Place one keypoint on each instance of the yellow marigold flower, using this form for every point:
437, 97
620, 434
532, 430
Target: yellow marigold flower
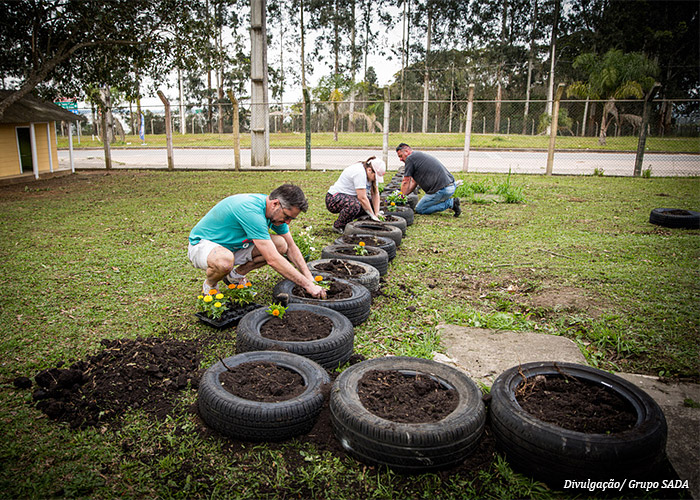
200, 297
208, 298
213, 291
217, 304
239, 286
219, 296
276, 312
362, 243
319, 278
231, 286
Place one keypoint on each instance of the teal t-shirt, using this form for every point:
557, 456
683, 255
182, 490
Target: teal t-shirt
235, 221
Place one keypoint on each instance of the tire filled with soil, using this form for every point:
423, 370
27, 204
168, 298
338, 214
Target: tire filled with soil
262, 395
372, 240
675, 218
317, 333
355, 271
558, 421
412, 415
375, 228
375, 257
392, 220
349, 299
403, 211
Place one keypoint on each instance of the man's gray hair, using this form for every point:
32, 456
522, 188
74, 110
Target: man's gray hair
290, 196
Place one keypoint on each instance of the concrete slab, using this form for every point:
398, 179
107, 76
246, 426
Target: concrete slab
484, 354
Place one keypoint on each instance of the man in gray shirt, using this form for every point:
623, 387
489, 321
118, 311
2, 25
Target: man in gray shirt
426, 171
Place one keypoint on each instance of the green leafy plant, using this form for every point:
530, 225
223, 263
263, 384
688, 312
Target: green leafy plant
212, 304
360, 248
397, 198
239, 295
276, 310
391, 207
325, 284
305, 241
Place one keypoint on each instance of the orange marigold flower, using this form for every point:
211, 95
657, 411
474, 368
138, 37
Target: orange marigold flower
319, 278
248, 284
276, 312
213, 291
393, 204
231, 286
239, 286
362, 243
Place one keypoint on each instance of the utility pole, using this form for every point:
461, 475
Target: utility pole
260, 110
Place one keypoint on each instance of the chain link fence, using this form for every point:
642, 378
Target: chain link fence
593, 137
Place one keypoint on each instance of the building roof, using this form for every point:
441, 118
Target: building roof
33, 109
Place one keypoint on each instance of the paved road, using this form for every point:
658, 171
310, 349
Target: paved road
568, 163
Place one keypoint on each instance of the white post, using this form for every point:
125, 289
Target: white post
259, 109
70, 146
35, 158
468, 129
385, 140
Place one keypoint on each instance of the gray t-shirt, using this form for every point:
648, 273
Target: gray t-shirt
428, 172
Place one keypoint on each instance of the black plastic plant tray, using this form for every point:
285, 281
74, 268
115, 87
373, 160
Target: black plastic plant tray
230, 318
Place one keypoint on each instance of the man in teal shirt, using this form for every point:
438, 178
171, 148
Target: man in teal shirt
236, 232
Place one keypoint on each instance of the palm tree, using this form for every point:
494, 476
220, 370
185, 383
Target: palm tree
615, 75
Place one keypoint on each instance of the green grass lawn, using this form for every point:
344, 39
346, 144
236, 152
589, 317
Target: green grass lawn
416, 140
103, 255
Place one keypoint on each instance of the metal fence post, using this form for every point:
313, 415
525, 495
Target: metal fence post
385, 140
554, 127
643, 130
468, 129
236, 133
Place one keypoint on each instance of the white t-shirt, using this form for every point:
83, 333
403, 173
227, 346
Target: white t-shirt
353, 178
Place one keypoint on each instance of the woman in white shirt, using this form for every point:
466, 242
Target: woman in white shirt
356, 192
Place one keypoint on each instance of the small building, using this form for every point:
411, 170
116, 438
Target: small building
28, 145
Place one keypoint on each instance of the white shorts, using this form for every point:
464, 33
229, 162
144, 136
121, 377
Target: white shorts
199, 253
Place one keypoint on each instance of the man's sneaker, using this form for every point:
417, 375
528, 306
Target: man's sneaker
206, 288
456, 207
233, 278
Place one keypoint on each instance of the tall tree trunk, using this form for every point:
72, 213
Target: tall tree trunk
530, 63
552, 54
353, 64
404, 61
220, 80
336, 67
303, 63
426, 75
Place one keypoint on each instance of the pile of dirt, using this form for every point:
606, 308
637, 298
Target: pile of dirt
144, 373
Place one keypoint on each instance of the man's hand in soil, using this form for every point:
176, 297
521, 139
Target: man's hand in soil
317, 291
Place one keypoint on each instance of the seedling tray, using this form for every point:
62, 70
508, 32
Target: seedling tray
230, 318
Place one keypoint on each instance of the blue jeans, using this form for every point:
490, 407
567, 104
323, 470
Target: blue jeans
436, 202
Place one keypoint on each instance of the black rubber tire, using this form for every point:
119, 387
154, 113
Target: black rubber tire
553, 454
405, 212
250, 420
412, 200
379, 259
386, 244
369, 279
395, 221
376, 228
356, 308
407, 448
675, 217
329, 352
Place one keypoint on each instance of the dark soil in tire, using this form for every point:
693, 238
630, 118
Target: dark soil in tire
351, 252
342, 269
262, 381
576, 405
395, 396
336, 291
297, 326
